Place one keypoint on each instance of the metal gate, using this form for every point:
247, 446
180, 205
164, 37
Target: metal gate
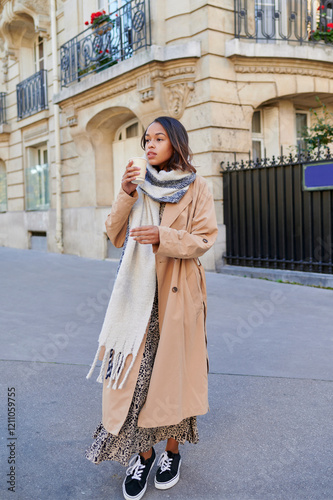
274, 219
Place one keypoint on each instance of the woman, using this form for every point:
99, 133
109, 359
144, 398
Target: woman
153, 340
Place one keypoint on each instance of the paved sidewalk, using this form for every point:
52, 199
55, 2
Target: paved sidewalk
268, 436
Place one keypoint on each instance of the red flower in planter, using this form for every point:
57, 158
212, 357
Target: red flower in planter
95, 15
98, 17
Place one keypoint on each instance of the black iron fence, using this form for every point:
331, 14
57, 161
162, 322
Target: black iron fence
101, 46
273, 219
32, 95
2, 108
298, 21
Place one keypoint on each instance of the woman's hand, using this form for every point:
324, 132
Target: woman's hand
146, 235
129, 176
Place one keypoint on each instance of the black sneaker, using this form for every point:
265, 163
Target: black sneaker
135, 483
167, 474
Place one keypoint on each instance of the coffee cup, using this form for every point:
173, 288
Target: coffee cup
139, 162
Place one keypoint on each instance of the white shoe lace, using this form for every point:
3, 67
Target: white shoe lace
135, 467
164, 462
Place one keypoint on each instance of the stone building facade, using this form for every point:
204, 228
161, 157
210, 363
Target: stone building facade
234, 93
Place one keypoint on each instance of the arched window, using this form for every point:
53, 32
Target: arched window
3, 187
125, 145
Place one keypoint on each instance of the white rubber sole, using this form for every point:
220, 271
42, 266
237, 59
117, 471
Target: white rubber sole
169, 484
140, 495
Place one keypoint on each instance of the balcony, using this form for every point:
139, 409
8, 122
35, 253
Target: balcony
293, 21
32, 95
99, 47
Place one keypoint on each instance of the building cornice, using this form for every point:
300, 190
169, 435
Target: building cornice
140, 71
283, 66
280, 58
277, 51
174, 76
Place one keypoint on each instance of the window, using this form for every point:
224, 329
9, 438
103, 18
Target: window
265, 20
3, 187
110, 5
281, 19
37, 179
38, 241
39, 54
325, 14
257, 135
301, 125
256, 122
132, 130
122, 25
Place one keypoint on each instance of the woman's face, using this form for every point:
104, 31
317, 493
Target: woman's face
158, 146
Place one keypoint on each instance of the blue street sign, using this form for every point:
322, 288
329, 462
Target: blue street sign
318, 176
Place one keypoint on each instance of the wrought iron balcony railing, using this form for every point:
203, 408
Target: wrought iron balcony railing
99, 47
3, 108
32, 95
297, 21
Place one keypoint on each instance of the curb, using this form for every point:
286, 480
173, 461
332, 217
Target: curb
284, 275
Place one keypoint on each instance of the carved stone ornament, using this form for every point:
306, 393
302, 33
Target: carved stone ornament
145, 88
72, 121
39, 6
178, 97
71, 116
4, 70
22, 19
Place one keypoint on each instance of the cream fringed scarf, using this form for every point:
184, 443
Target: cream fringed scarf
131, 301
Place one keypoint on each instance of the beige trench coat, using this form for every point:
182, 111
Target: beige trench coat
178, 387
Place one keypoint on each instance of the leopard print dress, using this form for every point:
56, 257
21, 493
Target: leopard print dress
131, 438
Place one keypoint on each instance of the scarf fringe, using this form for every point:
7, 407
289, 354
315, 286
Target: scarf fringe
118, 364
93, 365
117, 370
103, 366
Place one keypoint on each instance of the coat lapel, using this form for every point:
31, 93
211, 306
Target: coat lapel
172, 210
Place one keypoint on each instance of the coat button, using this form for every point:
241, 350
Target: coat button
205, 241
175, 289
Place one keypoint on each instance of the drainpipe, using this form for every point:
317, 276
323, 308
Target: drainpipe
59, 224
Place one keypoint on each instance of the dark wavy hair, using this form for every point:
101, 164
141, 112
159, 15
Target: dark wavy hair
182, 155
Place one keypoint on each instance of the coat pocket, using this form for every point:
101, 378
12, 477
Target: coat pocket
193, 281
